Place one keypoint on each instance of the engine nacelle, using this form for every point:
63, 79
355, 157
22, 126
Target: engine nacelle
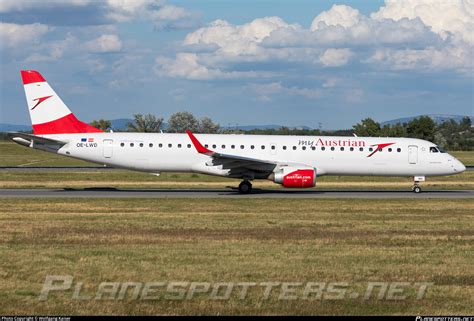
295, 177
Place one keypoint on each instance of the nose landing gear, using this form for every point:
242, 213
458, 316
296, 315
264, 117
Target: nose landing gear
245, 187
416, 180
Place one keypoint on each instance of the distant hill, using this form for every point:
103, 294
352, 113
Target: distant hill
121, 123
437, 118
14, 128
271, 126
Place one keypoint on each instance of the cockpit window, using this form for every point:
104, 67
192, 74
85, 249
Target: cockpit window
433, 149
441, 150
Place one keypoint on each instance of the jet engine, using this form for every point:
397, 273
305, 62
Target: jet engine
295, 177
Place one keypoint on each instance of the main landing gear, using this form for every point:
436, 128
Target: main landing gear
416, 180
245, 187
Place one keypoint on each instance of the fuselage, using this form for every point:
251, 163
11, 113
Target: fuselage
159, 152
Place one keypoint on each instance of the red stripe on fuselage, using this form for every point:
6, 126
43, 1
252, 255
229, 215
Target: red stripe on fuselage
68, 124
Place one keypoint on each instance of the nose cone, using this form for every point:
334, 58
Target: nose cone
458, 166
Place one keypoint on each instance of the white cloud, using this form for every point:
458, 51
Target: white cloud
335, 57
458, 58
97, 12
171, 13
186, 65
163, 15
105, 44
52, 51
455, 16
22, 5
338, 15
406, 34
234, 39
14, 35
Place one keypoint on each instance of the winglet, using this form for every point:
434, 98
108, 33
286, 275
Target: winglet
200, 149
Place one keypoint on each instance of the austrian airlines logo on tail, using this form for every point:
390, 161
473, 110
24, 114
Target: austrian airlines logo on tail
379, 147
40, 100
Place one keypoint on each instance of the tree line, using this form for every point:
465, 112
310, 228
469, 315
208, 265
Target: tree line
177, 123
450, 134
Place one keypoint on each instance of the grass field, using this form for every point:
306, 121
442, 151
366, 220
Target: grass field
141, 240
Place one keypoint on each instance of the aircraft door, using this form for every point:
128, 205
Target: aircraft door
412, 154
108, 148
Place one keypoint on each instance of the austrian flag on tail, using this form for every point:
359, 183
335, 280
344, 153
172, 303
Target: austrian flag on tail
49, 114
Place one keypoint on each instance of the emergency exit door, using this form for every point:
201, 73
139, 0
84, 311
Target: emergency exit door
412, 154
108, 148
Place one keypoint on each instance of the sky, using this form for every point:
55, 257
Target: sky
322, 64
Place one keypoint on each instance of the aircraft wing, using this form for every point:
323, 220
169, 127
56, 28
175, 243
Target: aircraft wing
233, 162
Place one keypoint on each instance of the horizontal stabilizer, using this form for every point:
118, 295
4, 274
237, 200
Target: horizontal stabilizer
28, 139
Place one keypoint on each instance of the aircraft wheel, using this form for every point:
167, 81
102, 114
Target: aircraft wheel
245, 187
416, 189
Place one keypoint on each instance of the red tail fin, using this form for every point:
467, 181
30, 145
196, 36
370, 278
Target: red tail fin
49, 114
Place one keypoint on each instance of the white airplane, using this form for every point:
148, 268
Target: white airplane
292, 161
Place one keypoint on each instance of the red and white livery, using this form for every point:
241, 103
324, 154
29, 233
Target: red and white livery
292, 161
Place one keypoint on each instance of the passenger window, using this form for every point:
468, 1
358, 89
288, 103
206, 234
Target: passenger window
189, 145
361, 149
179, 145
323, 148
273, 147
399, 150
141, 144
389, 150
232, 146
122, 144
332, 148
342, 149
304, 147
313, 148
206, 145
284, 147
132, 144
252, 147
151, 145
160, 145
263, 146
214, 146
371, 149
242, 146
352, 149
170, 145
294, 147
223, 146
